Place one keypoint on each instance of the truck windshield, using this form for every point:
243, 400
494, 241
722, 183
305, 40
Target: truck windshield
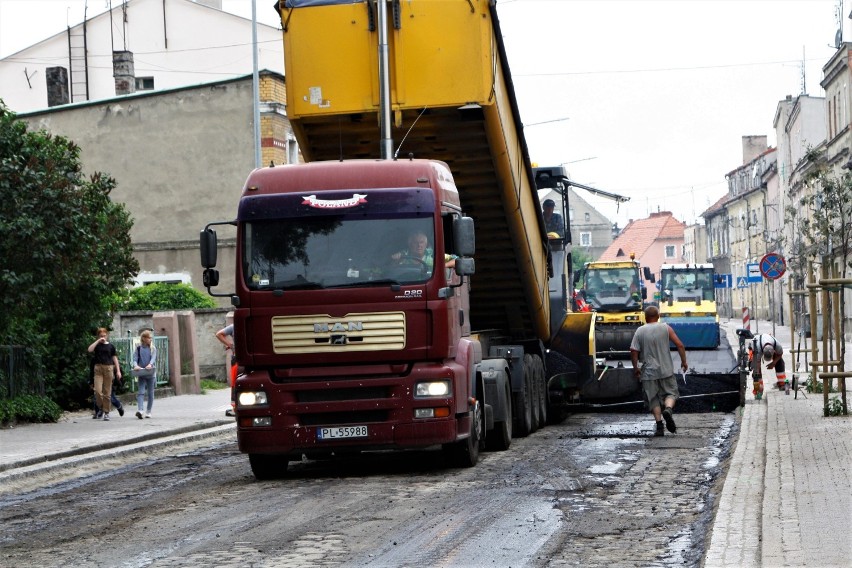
686, 284
337, 251
612, 289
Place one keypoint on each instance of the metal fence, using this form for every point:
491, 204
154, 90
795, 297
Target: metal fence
124, 349
20, 372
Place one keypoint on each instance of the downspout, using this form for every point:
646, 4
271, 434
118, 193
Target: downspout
70, 62
165, 32
86, 48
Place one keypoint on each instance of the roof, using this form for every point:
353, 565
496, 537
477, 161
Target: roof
710, 211
639, 235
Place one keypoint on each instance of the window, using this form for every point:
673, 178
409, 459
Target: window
144, 83
588, 217
670, 251
585, 239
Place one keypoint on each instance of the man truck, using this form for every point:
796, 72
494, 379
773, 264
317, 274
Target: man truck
348, 340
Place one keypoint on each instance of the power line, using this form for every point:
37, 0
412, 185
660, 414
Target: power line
663, 69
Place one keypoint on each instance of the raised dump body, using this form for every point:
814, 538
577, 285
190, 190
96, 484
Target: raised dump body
452, 100
366, 318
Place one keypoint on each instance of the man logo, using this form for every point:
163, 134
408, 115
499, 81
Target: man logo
338, 327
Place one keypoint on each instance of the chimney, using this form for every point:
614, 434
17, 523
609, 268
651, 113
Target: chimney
57, 86
123, 72
753, 146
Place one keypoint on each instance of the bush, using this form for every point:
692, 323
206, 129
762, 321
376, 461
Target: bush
29, 408
834, 407
161, 297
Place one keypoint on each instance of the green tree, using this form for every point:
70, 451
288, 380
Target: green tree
162, 296
64, 248
580, 256
822, 219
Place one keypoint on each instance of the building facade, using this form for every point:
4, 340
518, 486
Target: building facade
141, 45
180, 158
654, 241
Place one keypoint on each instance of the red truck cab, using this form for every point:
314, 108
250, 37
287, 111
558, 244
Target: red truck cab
348, 341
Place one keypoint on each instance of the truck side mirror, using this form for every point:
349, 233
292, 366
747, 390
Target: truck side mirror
465, 266
463, 236
646, 272
210, 277
208, 247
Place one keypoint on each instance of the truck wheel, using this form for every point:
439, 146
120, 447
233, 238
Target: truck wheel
268, 466
523, 406
500, 438
466, 452
542, 390
535, 392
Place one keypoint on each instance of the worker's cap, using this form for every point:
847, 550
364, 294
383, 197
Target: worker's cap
549, 203
768, 352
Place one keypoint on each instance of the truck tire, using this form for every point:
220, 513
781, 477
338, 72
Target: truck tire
538, 364
268, 466
522, 405
535, 392
466, 452
500, 438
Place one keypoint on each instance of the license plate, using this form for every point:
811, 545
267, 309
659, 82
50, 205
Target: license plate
342, 432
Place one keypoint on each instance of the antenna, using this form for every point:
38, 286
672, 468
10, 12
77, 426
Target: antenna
838, 17
395, 154
804, 81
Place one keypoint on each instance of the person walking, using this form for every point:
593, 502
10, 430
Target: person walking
98, 414
226, 337
766, 347
106, 369
145, 371
650, 345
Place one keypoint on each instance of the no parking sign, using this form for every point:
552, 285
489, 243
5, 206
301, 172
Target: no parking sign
773, 266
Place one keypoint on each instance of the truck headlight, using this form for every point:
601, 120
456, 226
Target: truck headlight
432, 388
252, 398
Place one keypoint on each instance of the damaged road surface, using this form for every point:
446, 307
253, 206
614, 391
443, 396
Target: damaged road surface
596, 490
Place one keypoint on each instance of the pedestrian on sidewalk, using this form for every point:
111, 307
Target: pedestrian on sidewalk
226, 337
106, 369
145, 371
766, 347
98, 414
650, 345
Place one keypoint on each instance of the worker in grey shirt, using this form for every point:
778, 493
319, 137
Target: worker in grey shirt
650, 345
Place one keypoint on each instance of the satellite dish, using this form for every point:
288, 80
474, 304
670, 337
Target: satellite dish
838, 38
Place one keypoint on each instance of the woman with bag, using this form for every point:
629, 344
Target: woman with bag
144, 369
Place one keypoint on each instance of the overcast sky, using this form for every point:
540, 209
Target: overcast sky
644, 98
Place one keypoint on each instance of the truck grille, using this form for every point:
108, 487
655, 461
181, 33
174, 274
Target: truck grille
321, 333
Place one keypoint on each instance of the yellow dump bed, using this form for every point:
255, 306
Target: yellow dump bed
452, 100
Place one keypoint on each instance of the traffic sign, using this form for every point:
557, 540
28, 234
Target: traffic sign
753, 270
773, 266
722, 281
742, 282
